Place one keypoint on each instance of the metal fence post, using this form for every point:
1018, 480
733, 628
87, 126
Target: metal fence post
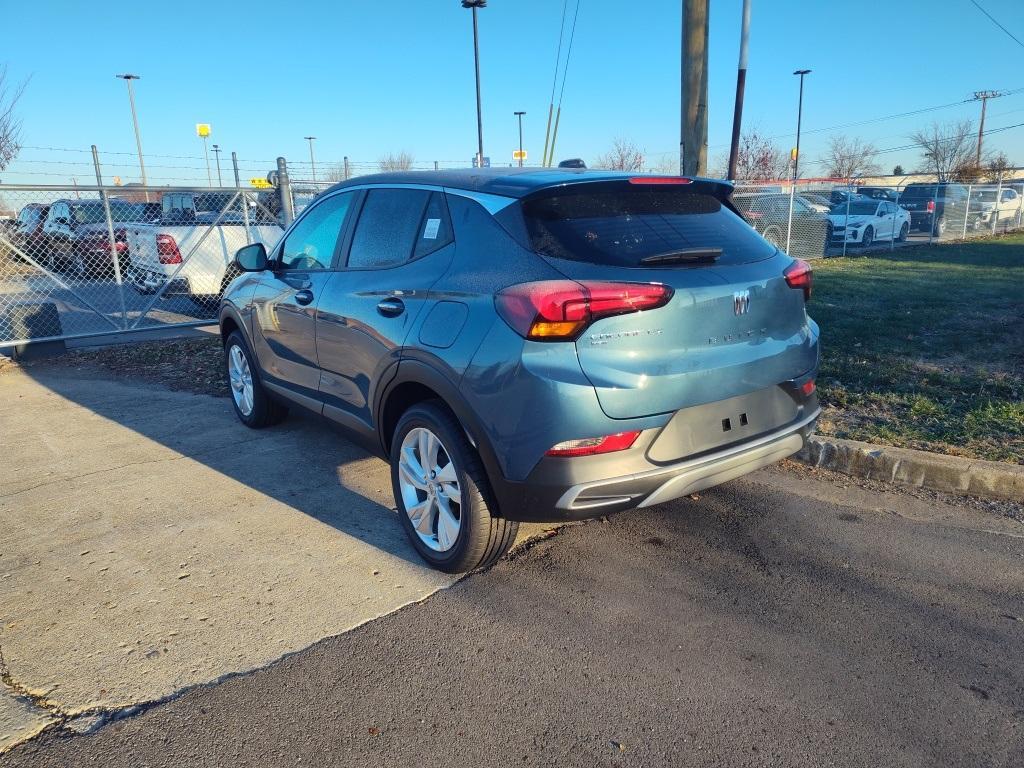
347, 174
110, 235
967, 211
284, 187
846, 228
244, 199
892, 240
999, 194
931, 220
789, 224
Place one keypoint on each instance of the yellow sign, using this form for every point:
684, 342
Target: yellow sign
202, 130
260, 183
518, 154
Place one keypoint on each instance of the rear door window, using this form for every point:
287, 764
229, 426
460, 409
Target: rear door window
388, 228
622, 224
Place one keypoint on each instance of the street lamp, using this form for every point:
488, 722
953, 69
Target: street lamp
216, 154
799, 118
520, 116
474, 5
312, 162
127, 77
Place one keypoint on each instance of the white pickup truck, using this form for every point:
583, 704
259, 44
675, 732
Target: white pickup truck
190, 248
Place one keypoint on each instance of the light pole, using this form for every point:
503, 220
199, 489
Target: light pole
799, 119
216, 154
520, 116
474, 5
128, 77
312, 162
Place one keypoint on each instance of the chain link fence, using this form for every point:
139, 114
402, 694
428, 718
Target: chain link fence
83, 261
811, 219
80, 261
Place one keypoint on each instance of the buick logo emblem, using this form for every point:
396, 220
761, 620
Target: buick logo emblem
741, 302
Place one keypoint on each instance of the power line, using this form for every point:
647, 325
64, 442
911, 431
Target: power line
993, 20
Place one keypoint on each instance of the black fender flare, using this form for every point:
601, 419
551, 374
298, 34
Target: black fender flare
419, 372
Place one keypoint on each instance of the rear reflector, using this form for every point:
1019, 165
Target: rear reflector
590, 446
808, 387
800, 275
660, 180
560, 310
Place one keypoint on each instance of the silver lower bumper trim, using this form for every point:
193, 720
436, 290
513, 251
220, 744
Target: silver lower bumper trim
697, 474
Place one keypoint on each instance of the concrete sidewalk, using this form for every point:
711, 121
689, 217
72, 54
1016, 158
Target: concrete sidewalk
151, 543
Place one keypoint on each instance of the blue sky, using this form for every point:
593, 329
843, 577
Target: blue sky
372, 77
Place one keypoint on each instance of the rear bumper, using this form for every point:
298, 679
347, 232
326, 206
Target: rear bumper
686, 477
540, 500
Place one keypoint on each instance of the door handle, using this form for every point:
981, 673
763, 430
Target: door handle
391, 307
304, 297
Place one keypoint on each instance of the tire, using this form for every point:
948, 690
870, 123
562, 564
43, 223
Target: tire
868, 238
904, 231
939, 228
481, 537
259, 409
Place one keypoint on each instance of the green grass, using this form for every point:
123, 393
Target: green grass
924, 347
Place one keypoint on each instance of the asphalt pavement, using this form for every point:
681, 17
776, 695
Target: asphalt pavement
792, 618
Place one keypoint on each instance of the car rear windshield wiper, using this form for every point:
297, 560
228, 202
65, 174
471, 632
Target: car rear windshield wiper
687, 256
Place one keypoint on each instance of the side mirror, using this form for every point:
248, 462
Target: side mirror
252, 258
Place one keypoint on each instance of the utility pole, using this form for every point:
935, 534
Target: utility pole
312, 161
216, 154
799, 120
983, 97
474, 5
135, 122
741, 82
520, 116
693, 129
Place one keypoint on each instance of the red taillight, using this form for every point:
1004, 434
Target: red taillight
590, 446
559, 310
167, 250
660, 180
800, 275
807, 387
931, 206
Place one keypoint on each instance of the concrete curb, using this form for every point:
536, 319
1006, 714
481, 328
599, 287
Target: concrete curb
935, 471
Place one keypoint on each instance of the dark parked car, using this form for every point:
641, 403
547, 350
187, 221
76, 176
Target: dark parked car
76, 237
27, 235
769, 215
937, 207
528, 345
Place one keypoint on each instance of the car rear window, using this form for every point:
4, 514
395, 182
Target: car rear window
928, 192
620, 224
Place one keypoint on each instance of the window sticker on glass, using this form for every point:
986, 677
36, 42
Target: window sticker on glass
430, 231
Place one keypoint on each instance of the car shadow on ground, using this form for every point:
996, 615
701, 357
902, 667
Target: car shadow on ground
303, 463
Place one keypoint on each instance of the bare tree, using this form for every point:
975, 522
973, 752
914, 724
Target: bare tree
848, 158
757, 159
997, 166
623, 156
395, 162
10, 125
946, 150
335, 173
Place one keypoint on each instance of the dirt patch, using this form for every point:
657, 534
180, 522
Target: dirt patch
190, 365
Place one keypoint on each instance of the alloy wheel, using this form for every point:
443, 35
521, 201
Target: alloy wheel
241, 380
430, 490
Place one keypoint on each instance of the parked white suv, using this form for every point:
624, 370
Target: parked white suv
191, 247
995, 205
